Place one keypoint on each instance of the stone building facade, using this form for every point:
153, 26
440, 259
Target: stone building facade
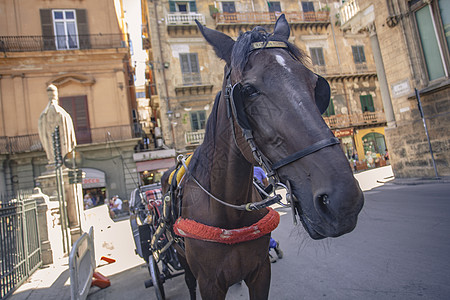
188, 74
414, 44
81, 47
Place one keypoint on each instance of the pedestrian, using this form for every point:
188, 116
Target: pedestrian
260, 178
88, 203
116, 206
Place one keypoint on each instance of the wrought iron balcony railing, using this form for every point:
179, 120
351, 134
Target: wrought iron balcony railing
184, 19
342, 121
75, 42
270, 17
32, 142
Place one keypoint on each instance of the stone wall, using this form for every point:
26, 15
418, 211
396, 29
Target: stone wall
410, 154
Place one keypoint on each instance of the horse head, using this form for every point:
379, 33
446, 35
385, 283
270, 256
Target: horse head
277, 103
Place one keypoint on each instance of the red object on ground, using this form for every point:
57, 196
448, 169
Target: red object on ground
107, 259
100, 280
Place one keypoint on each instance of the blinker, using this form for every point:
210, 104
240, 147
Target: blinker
237, 106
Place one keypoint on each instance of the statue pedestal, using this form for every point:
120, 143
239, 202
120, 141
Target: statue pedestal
72, 197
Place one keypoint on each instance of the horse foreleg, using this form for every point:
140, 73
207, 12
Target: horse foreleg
209, 290
259, 282
191, 283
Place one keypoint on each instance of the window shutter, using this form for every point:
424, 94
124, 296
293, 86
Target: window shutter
184, 63
172, 6
77, 108
194, 63
192, 6
83, 29
361, 54
48, 34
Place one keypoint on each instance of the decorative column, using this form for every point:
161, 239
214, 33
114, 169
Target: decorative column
384, 87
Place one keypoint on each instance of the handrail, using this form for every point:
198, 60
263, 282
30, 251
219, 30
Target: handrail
270, 17
32, 142
44, 43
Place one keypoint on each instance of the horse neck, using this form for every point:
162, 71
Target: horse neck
230, 174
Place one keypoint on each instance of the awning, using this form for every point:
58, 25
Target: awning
93, 178
155, 164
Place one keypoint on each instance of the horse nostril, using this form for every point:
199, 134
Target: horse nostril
324, 199
323, 207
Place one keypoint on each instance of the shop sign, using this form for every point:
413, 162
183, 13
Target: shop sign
93, 178
343, 132
401, 88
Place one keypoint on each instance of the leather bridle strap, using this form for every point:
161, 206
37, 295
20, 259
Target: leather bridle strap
304, 152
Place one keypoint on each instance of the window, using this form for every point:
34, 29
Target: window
317, 56
430, 19
140, 95
65, 25
330, 109
274, 6
358, 54
308, 6
183, 7
366, 103
77, 108
198, 120
190, 69
64, 29
228, 7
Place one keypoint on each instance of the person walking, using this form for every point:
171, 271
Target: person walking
260, 177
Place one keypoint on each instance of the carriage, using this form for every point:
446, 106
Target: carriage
146, 209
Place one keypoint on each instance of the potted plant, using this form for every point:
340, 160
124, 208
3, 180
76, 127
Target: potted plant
213, 11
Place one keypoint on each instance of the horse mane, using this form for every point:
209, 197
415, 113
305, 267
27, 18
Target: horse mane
243, 48
203, 155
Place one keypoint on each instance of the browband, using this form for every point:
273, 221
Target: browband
269, 44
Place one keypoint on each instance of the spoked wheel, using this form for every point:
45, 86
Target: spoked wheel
156, 278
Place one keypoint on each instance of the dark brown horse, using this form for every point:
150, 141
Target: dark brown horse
268, 113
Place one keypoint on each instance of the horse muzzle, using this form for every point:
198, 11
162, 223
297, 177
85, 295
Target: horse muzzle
330, 214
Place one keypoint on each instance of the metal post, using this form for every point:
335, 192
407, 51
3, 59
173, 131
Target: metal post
60, 189
419, 103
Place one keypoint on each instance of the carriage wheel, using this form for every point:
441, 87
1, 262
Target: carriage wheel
156, 278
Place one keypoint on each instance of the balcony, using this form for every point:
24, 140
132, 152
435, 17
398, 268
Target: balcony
47, 43
194, 138
348, 10
21, 143
355, 18
180, 19
347, 71
270, 17
367, 118
32, 142
192, 85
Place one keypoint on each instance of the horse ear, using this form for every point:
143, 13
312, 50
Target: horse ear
322, 94
282, 27
222, 43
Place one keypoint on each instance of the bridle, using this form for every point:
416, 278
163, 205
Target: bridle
236, 114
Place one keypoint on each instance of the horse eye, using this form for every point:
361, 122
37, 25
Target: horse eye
250, 91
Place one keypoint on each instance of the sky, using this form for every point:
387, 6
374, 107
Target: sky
132, 10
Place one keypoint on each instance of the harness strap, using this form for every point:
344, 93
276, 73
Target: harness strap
304, 152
